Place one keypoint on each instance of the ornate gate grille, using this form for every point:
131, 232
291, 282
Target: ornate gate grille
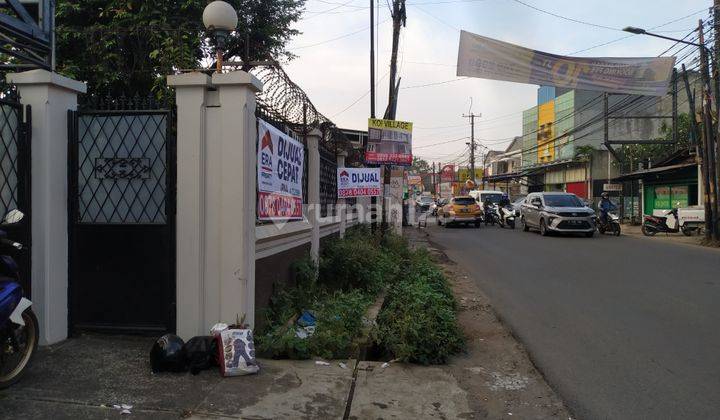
122, 167
15, 125
122, 214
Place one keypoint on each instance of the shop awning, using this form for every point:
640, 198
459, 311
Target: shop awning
504, 177
660, 170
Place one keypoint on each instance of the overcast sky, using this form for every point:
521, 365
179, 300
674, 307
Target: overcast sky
333, 59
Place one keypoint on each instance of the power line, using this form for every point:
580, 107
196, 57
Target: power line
377, 83
442, 142
337, 38
567, 18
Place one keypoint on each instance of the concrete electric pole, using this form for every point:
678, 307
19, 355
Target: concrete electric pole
399, 18
472, 117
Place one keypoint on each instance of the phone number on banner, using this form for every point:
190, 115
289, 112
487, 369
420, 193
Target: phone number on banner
398, 158
272, 206
359, 192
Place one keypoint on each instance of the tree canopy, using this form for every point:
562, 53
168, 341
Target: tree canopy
129, 46
420, 165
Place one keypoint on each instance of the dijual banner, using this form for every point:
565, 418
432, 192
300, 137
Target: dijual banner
489, 58
389, 142
279, 174
359, 182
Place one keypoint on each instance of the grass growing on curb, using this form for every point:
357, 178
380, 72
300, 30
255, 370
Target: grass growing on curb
417, 322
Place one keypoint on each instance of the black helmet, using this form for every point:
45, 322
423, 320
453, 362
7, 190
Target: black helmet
168, 354
604, 195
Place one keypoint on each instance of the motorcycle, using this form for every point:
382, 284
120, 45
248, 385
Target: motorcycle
507, 217
686, 221
491, 215
19, 329
611, 224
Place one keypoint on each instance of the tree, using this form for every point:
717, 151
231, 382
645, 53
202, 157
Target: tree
420, 166
129, 46
264, 28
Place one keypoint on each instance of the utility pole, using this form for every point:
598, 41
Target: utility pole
434, 191
709, 161
372, 59
699, 154
472, 117
399, 18
373, 200
716, 77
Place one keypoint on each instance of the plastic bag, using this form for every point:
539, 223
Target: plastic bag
237, 352
201, 353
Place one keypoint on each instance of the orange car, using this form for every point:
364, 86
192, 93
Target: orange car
461, 209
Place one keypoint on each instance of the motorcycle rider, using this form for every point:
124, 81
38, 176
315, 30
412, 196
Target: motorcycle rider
503, 203
605, 206
487, 210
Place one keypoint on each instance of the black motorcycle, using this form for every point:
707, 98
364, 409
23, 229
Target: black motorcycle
610, 224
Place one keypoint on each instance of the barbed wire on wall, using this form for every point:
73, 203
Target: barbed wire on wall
284, 101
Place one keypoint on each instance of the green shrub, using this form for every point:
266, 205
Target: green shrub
338, 317
357, 261
417, 322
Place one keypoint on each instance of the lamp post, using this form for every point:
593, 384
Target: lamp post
220, 19
641, 31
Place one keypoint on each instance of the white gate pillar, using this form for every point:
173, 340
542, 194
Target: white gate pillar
216, 157
342, 208
50, 96
313, 213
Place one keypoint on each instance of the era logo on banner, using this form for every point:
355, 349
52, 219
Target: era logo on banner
266, 154
344, 179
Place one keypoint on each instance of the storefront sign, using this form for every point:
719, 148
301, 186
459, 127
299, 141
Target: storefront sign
447, 173
389, 142
612, 187
279, 174
464, 174
489, 58
414, 180
359, 182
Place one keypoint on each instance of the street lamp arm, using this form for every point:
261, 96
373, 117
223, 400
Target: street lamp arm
640, 31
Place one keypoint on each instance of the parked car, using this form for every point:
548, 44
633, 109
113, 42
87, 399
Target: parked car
517, 205
557, 212
462, 209
423, 203
481, 195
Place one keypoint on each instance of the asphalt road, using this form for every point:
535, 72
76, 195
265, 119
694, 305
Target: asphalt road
622, 327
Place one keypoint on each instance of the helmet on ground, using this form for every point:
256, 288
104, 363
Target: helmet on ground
168, 354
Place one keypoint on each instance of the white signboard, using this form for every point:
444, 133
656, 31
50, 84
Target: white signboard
359, 182
612, 187
279, 174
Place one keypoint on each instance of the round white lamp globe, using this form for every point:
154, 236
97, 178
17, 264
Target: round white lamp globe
220, 16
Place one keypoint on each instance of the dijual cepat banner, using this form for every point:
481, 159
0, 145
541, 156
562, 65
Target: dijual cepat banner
488, 58
359, 182
280, 163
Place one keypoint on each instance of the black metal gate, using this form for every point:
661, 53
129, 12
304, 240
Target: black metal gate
15, 123
122, 217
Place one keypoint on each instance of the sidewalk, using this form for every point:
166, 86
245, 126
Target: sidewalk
84, 377
635, 230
